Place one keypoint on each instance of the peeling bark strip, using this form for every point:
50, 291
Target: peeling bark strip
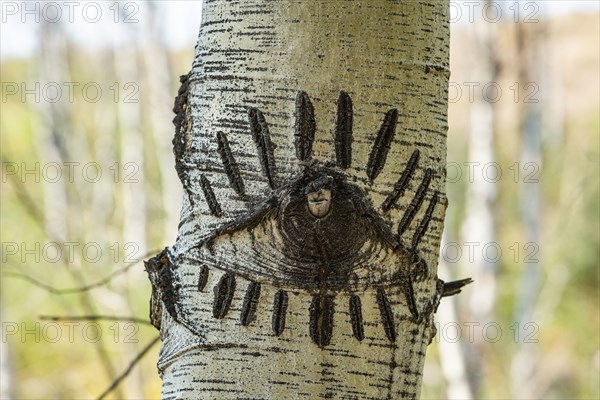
209, 195
250, 302
305, 127
402, 183
262, 139
387, 316
280, 305
223, 295
424, 224
416, 203
321, 320
378, 155
356, 317
231, 168
343, 131
202, 278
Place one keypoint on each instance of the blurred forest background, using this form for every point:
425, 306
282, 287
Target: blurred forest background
89, 189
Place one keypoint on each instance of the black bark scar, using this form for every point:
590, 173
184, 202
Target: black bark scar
343, 131
230, 164
305, 127
262, 139
382, 144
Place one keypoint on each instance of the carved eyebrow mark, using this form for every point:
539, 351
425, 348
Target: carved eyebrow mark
209, 195
387, 317
262, 139
280, 305
380, 149
223, 295
402, 182
202, 278
343, 131
416, 202
305, 126
321, 320
250, 302
231, 167
356, 317
420, 232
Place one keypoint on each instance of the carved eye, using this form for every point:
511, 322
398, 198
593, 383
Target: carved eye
323, 227
316, 233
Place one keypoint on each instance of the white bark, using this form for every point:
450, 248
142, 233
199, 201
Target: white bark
385, 55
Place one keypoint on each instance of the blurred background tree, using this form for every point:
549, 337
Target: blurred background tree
524, 105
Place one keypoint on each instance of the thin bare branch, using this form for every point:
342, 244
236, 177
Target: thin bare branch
132, 364
94, 318
85, 288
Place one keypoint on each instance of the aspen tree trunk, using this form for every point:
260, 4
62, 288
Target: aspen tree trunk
311, 144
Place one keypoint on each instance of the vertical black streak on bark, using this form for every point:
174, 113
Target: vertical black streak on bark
321, 320
262, 139
202, 278
382, 144
387, 317
231, 168
343, 131
415, 204
424, 224
305, 127
250, 302
402, 183
209, 195
279, 309
356, 317
223, 295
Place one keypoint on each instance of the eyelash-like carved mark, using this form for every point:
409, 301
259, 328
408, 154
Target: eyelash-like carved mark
262, 139
231, 168
387, 317
380, 149
223, 295
209, 195
248, 313
424, 224
280, 304
343, 131
416, 202
202, 278
321, 320
305, 127
402, 182
356, 317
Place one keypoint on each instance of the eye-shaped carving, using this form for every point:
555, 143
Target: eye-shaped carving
317, 231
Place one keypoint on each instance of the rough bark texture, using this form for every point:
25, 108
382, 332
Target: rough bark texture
311, 143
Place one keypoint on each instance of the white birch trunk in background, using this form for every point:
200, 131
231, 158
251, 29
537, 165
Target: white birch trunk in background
62, 145
131, 179
479, 227
478, 230
131, 166
526, 382
326, 287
